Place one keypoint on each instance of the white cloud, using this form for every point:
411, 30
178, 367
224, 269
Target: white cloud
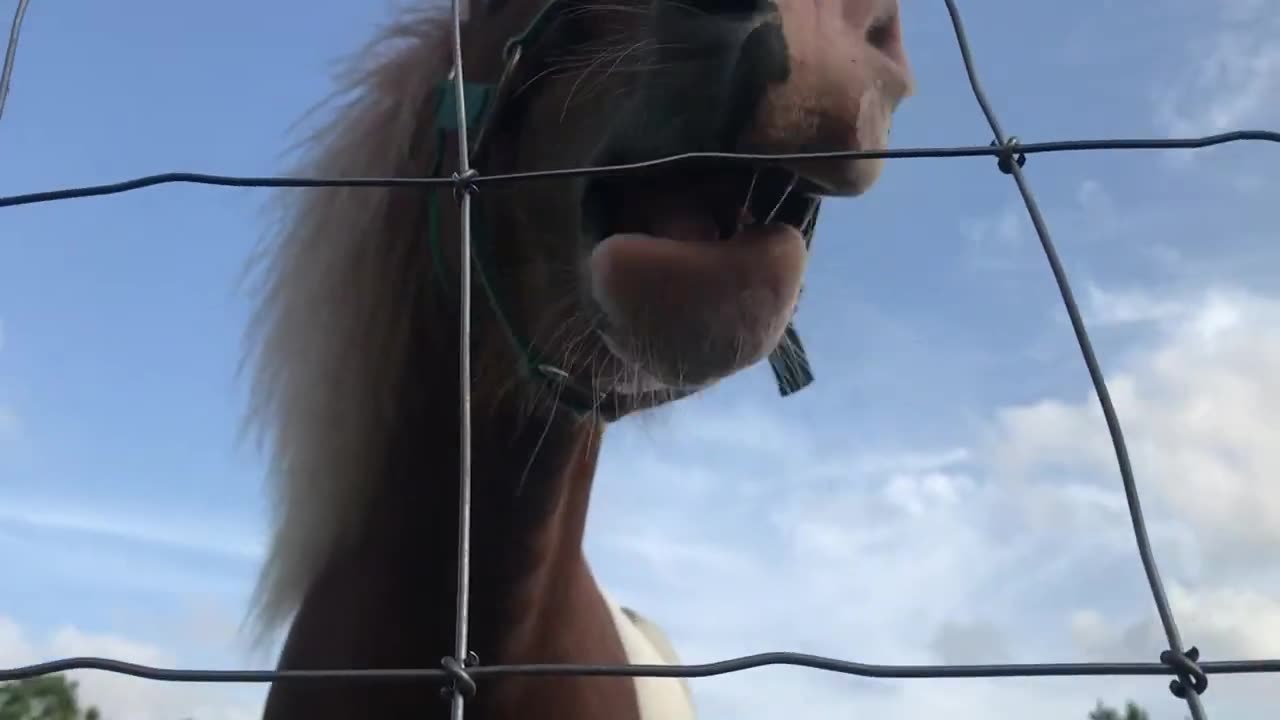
1223, 622
1006, 241
995, 243
960, 642
8, 415
905, 564
1112, 308
1227, 78
1011, 545
1234, 623
1232, 76
1199, 411
182, 534
121, 697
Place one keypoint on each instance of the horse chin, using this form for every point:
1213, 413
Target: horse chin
635, 377
684, 313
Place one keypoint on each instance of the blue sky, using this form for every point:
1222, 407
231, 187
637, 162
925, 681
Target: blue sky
943, 493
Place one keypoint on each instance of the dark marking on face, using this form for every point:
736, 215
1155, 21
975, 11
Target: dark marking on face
762, 61
715, 62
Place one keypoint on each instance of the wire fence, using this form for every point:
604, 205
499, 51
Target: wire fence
459, 672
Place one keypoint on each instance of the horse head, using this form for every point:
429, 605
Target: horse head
597, 296
636, 289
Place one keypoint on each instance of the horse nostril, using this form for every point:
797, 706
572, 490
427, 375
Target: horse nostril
885, 35
725, 7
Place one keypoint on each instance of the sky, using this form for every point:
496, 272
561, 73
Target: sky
945, 492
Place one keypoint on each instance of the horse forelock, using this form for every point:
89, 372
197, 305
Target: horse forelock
329, 335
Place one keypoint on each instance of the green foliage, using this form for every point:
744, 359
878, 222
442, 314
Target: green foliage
50, 697
1131, 712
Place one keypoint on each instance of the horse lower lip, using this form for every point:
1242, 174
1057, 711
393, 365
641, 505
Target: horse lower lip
667, 295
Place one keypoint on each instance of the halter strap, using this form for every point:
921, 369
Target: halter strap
789, 360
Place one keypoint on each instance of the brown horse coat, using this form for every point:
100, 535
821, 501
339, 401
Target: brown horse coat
641, 289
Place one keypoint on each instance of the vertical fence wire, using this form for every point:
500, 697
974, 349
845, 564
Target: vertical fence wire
11, 52
457, 671
1011, 164
462, 192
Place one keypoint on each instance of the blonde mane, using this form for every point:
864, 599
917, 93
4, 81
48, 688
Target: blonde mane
328, 338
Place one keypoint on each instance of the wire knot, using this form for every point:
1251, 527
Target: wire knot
1007, 157
1190, 675
460, 681
464, 183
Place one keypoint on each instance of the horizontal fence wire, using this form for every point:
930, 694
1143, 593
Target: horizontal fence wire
459, 672
962, 151
697, 670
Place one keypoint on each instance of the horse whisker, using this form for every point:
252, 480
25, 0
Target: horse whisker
542, 437
621, 56
573, 89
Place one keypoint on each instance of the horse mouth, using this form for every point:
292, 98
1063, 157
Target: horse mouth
698, 204
696, 271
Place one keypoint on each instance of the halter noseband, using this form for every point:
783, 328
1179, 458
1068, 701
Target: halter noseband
788, 360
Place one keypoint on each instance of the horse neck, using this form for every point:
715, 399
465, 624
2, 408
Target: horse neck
387, 599
531, 481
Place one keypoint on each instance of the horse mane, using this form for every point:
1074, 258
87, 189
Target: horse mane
330, 334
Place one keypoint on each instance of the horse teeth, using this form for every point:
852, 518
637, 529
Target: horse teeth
746, 202
808, 214
785, 194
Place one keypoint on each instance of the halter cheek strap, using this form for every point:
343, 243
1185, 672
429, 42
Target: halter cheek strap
789, 361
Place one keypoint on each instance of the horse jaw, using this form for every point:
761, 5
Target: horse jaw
687, 299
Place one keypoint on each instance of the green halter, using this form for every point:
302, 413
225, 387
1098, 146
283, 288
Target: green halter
789, 361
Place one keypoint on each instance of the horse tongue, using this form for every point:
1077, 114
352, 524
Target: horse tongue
680, 216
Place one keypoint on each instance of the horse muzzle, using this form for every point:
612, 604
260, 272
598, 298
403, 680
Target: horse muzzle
770, 77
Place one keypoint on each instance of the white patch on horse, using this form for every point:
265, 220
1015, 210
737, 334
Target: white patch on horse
646, 644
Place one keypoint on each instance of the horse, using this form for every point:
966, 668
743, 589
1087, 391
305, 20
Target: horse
598, 298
